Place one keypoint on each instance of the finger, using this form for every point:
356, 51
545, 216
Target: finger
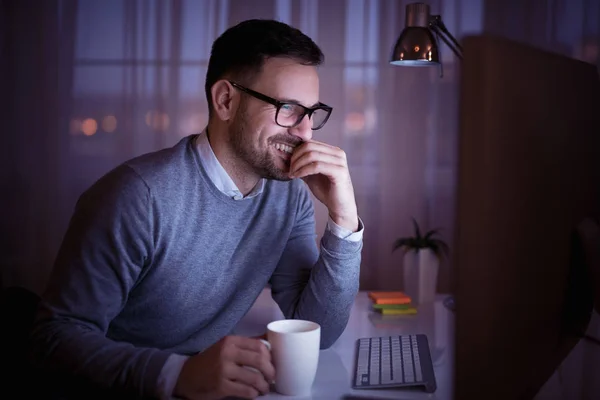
251, 377
333, 172
315, 156
259, 360
249, 343
241, 390
308, 147
317, 146
316, 142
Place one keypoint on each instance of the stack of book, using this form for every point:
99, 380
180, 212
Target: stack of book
392, 303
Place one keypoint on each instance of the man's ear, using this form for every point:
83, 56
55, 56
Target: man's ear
223, 99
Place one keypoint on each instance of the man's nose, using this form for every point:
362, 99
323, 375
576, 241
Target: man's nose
303, 130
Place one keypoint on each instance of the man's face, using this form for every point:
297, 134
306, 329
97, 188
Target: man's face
256, 139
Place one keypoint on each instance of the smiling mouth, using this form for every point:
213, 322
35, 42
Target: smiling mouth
284, 148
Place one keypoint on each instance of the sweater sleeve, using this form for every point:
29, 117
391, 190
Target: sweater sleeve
315, 285
106, 249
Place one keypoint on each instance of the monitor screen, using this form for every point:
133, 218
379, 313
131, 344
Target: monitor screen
528, 176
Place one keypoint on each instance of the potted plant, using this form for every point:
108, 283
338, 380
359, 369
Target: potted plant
422, 255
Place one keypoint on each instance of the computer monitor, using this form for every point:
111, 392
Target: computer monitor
528, 174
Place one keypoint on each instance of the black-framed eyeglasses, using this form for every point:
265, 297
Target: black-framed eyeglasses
290, 114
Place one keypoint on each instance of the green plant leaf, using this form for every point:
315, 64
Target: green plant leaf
431, 233
441, 248
417, 230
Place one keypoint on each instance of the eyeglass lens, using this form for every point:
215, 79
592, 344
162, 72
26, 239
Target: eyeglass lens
290, 114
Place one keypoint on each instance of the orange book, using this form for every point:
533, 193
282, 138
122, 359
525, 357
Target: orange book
389, 298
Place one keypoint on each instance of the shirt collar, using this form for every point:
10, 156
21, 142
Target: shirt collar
217, 174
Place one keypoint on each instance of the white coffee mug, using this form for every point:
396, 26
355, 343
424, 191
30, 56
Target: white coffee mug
295, 348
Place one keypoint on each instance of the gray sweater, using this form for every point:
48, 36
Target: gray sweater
157, 261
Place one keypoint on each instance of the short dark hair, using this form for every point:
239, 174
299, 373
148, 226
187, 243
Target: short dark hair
242, 50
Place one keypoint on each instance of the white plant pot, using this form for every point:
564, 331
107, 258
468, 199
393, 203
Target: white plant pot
420, 275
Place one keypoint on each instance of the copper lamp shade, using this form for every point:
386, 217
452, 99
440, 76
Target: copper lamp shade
417, 44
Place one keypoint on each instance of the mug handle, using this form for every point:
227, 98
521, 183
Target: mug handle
266, 343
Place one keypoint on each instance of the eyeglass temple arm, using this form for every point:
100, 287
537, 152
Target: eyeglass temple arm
437, 25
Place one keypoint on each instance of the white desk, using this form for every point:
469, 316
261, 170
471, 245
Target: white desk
336, 364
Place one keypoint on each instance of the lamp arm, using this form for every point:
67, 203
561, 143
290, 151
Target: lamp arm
437, 25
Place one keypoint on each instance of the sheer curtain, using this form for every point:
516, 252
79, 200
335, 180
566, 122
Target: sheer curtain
139, 70
130, 80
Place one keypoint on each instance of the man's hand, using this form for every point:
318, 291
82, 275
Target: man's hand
325, 169
219, 371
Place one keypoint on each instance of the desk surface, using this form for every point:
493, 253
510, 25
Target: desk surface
336, 364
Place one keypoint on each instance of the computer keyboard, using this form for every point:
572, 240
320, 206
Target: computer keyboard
393, 362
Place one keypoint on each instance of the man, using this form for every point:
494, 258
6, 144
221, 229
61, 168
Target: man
167, 252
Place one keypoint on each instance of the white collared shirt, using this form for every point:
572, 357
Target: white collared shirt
217, 174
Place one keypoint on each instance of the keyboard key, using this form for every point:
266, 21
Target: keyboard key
374, 380
374, 362
419, 373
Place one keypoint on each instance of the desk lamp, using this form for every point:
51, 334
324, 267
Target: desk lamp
417, 46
